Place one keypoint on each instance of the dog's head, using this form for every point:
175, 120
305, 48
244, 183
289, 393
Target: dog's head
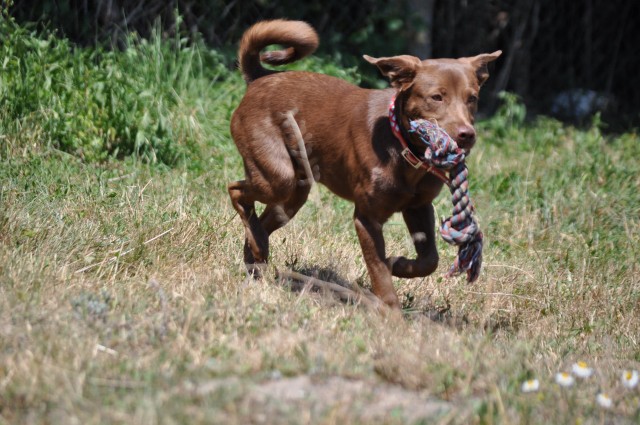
444, 91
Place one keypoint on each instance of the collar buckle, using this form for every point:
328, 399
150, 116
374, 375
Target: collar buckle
411, 158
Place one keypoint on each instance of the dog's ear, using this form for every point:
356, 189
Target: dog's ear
400, 70
480, 63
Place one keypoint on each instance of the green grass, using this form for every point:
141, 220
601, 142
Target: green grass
122, 290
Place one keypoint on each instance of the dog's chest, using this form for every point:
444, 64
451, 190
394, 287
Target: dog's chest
398, 191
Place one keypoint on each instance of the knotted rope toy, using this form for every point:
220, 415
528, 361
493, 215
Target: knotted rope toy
461, 228
442, 154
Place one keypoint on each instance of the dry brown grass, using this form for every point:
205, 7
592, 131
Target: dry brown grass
123, 297
123, 300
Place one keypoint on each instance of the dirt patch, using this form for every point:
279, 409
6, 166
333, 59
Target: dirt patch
305, 399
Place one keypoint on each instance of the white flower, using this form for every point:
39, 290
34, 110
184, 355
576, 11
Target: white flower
564, 379
581, 370
604, 400
530, 386
630, 378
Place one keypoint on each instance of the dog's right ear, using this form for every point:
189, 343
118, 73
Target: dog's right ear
400, 70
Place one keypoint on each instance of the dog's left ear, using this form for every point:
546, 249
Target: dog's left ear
401, 70
480, 63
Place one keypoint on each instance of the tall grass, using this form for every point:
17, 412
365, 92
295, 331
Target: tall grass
122, 291
96, 103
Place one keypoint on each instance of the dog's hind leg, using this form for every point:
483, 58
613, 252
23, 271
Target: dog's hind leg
271, 180
256, 243
276, 216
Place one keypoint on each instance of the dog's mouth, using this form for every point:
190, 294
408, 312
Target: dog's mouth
441, 149
465, 144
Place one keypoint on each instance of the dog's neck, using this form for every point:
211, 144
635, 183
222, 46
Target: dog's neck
408, 152
398, 109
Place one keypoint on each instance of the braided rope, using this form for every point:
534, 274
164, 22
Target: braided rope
461, 228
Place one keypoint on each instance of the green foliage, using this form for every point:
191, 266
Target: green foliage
508, 119
329, 65
96, 103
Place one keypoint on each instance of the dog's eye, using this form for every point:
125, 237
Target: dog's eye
472, 99
436, 97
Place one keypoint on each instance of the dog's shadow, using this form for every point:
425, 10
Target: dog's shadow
326, 274
324, 281
314, 275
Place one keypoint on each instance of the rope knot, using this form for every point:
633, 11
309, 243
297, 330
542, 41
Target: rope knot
442, 151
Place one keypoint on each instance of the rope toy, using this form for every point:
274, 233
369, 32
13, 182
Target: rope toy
461, 228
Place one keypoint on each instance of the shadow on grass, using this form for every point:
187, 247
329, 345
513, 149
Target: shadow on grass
315, 276
326, 282
323, 273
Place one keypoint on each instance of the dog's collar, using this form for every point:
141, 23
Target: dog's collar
407, 153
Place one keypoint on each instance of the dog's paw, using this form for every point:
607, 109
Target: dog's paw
255, 271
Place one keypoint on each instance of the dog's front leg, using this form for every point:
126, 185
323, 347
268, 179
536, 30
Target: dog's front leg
371, 239
421, 224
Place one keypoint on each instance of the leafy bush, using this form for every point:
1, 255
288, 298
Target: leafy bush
96, 103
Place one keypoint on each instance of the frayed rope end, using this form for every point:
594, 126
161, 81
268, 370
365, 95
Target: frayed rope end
469, 259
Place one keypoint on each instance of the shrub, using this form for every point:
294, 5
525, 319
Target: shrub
97, 103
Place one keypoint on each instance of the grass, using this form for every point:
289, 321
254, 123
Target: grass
122, 291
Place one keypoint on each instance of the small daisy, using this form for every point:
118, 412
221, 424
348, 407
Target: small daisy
564, 379
581, 370
630, 378
530, 386
604, 401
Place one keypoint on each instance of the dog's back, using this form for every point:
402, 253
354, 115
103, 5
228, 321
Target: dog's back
321, 103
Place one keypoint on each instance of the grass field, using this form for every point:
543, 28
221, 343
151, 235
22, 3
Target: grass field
123, 296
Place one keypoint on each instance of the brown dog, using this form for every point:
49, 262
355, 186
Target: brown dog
349, 141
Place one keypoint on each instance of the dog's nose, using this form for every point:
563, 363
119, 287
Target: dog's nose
465, 136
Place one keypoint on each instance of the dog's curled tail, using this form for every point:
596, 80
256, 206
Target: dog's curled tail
298, 38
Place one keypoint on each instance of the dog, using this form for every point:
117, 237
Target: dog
349, 140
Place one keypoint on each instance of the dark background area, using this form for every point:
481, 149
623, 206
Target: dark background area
563, 58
